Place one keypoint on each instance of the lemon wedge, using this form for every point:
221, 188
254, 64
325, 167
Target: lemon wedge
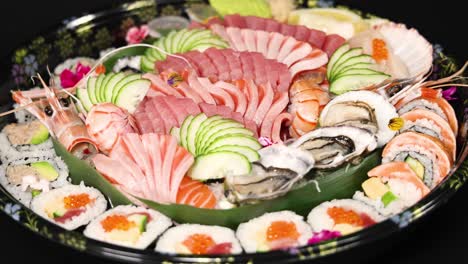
330, 20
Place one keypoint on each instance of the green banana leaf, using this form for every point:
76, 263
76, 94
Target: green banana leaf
337, 184
80, 171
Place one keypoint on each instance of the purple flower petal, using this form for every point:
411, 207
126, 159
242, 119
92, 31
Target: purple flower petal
447, 93
265, 141
323, 236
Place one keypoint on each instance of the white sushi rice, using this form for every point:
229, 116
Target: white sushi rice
422, 104
92, 210
155, 227
171, 240
253, 233
319, 219
424, 126
14, 190
24, 116
394, 207
9, 152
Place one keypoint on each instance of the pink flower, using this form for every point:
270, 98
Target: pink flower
69, 79
447, 94
265, 141
136, 35
323, 236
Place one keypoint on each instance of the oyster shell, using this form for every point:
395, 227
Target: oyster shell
333, 146
362, 109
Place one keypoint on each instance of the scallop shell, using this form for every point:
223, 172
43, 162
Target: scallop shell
412, 48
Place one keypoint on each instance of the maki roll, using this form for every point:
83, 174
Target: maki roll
429, 123
430, 100
32, 133
392, 187
426, 155
26, 178
362, 109
129, 226
70, 206
345, 216
277, 230
198, 240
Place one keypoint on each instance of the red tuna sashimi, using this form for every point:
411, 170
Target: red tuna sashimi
157, 177
221, 96
238, 96
332, 42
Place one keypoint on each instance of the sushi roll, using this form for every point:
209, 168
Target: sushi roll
70, 206
362, 109
345, 216
429, 123
277, 230
428, 100
426, 155
198, 240
129, 226
393, 187
26, 178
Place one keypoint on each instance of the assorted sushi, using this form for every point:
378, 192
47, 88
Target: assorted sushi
70, 206
239, 113
129, 226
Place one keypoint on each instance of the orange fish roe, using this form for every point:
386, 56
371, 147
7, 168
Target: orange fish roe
343, 216
76, 201
199, 243
430, 93
282, 230
100, 69
118, 222
379, 50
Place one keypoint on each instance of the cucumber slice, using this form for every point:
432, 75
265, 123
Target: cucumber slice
201, 35
109, 88
250, 154
183, 130
218, 133
140, 220
146, 64
209, 42
215, 127
358, 72
99, 81
82, 94
175, 132
201, 130
192, 131
335, 57
123, 82
349, 54
218, 164
352, 61
91, 89
131, 94
361, 65
103, 88
348, 83
236, 140
179, 39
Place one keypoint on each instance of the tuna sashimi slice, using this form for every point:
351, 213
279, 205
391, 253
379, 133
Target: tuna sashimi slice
221, 96
314, 60
202, 91
238, 96
166, 114
160, 85
283, 118
252, 94
332, 42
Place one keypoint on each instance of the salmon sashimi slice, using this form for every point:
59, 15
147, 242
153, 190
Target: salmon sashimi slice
282, 119
149, 166
400, 171
237, 95
195, 193
267, 97
279, 105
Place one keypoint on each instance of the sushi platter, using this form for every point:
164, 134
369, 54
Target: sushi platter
201, 131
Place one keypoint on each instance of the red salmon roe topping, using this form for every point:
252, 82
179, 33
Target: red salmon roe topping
199, 243
379, 50
118, 222
343, 216
282, 230
76, 201
100, 69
